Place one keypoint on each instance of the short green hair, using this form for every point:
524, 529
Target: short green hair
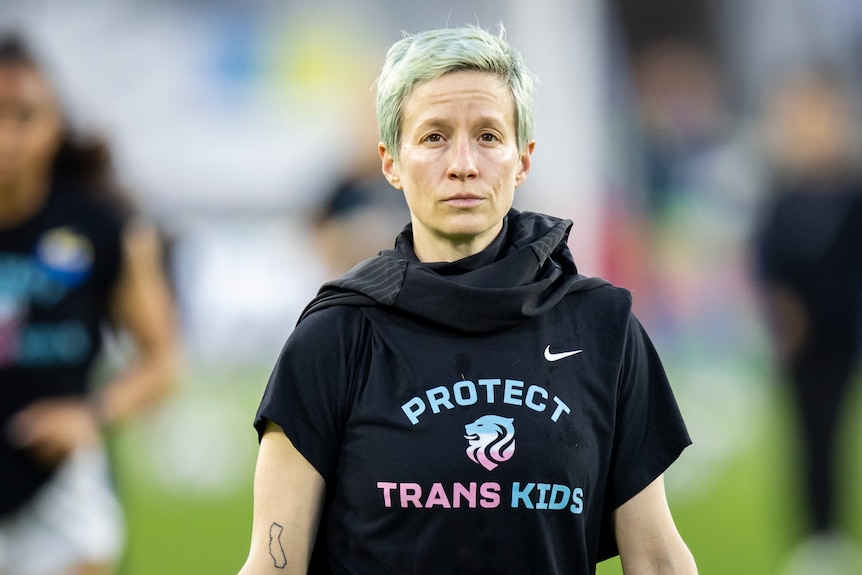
420, 58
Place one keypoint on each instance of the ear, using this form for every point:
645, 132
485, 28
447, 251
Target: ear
525, 163
389, 166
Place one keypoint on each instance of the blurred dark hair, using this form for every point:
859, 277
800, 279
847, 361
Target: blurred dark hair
83, 164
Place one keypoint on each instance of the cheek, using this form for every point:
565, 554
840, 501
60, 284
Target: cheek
508, 181
417, 176
42, 141
415, 201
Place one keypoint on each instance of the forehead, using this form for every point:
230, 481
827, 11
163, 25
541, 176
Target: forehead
470, 91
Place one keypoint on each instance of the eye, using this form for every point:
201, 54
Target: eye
489, 137
433, 138
24, 115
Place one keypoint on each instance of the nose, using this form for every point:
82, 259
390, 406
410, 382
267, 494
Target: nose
462, 160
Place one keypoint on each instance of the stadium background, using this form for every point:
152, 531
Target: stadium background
231, 121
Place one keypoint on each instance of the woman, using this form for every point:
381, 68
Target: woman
466, 402
72, 259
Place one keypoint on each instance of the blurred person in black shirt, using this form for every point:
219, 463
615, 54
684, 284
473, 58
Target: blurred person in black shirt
359, 218
809, 253
74, 259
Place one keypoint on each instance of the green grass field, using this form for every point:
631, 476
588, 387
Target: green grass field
185, 475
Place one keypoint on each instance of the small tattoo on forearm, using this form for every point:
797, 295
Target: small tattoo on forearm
275, 548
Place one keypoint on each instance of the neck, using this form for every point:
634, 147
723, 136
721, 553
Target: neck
451, 249
20, 203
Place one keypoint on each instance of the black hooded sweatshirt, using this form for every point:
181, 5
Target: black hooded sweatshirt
480, 416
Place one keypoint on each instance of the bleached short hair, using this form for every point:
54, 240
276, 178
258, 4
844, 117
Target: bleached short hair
420, 58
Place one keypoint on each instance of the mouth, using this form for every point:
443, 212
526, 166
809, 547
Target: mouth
463, 201
471, 437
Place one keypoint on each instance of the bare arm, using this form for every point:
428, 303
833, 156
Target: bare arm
142, 305
288, 497
648, 539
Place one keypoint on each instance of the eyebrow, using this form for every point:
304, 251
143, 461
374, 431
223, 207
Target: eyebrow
439, 122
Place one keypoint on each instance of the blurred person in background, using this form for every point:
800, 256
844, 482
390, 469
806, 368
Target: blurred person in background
681, 226
809, 255
74, 258
358, 219
362, 213
466, 402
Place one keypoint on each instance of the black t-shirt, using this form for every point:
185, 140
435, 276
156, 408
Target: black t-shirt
56, 271
810, 242
452, 452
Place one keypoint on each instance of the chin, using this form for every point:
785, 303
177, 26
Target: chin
469, 227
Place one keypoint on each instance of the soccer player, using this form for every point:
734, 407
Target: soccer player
73, 260
465, 402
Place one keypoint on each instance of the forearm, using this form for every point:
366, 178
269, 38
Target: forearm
143, 307
288, 499
272, 554
648, 539
675, 560
143, 384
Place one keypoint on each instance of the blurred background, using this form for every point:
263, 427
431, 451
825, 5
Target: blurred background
246, 131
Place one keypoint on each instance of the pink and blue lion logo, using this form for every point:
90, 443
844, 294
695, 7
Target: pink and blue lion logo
492, 440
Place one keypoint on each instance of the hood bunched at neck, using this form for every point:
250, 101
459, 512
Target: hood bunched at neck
524, 273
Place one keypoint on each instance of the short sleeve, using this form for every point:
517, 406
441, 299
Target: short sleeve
104, 227
114, 248
307, 392
649, 434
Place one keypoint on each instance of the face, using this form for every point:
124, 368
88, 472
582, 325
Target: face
459, 163
30, 126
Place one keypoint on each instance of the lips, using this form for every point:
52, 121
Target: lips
464, 200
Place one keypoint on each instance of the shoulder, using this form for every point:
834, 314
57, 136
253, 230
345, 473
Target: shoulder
324, 351
596, 291
100, 219
331, 326
605, 312
329, 316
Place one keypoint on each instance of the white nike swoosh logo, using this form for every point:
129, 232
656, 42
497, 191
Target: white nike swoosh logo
561, 355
